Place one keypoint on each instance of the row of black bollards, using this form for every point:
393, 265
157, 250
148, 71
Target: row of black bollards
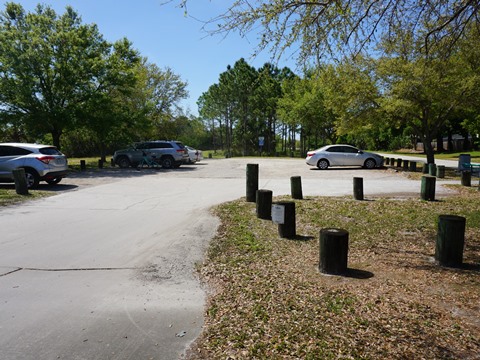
334, 243
411, 166
83, 165
333, 248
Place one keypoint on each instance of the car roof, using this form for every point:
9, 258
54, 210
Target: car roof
329, 146
26, 145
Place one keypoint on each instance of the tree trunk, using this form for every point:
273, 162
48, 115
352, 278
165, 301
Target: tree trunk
56, 138
440, 147
428, 148
450, 141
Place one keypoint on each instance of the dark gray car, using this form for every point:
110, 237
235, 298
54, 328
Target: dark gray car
167, 153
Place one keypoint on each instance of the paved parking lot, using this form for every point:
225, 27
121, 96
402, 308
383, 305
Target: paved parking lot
105, 269
274, 174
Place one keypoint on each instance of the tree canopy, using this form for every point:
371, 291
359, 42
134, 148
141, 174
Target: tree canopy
59, 76
331, 27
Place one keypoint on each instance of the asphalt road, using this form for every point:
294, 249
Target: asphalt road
105, 268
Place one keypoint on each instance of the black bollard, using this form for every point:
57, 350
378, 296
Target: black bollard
405, 165
413, 166
466, 178
82, 165
296, 187
358, 188
425, 168
450, 240
440, 171
264, 204
21, 187
252, 182
333, 251
428, 188
283, 214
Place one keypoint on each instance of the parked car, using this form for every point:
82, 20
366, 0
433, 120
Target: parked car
194, 155
168, 153
343, 155
40, 162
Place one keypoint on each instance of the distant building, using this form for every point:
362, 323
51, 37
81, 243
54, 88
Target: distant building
457, 143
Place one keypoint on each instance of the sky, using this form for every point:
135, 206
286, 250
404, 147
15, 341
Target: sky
167, 37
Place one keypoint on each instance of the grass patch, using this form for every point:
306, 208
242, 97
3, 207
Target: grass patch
10, 196
269, 300
90, 163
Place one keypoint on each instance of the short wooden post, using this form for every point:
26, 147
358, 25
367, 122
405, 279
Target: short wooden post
112, 163
387, 161
286, 221
21, 187
296, 187
432, 169
428, 188
466, 178
210, 155
264, 204
399, 162
358, 188
440, 171
333, 251
252, 182
405, 165
450, 240
413, 166
100, 164
425, 168
83, 165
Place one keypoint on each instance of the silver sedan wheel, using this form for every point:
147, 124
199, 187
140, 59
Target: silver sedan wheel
370, 163
322, 164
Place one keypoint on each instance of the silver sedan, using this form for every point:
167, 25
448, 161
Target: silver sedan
342, 155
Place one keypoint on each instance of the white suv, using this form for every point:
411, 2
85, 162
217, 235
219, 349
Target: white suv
41, 163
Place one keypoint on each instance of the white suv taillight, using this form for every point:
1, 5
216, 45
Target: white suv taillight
46, 159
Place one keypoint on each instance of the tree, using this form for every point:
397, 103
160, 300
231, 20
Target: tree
112, 104
166, 89
303, 103
213, 107
231, 102
423, 90
469, 60
49, 67
351, 95
326, 27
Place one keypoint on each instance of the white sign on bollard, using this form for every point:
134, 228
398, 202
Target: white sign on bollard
278, 214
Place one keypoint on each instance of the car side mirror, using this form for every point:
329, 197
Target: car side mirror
360, 152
